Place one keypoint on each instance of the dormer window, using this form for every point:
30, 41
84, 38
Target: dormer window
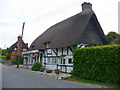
24, 49
46, 45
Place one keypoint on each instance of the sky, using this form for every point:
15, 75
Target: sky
39, 15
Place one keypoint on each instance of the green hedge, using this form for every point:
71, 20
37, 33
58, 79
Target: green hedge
100, 63
36, 66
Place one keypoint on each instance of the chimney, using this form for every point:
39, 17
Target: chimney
87, 6
19, 45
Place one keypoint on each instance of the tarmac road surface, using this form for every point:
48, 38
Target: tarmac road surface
17, 78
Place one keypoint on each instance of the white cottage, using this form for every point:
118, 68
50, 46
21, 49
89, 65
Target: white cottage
54, 48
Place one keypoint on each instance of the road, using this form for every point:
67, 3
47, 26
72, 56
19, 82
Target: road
18, 78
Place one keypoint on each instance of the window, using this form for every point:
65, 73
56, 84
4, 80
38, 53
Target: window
51, 61
69, 60
48, 60
15, 49
63, 61
54, 60
41, 55
37, 59
24, 49
46, 45
60, 61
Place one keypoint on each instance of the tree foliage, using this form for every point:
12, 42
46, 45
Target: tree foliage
111, 36
20, 58
6, 54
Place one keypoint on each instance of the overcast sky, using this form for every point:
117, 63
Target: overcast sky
39, 15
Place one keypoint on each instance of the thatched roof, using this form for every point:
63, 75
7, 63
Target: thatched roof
15, 46
116, 41
82, 28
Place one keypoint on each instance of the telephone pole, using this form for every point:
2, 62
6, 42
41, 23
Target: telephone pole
20, 46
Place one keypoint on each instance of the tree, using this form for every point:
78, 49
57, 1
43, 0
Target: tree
6, 54
111, 36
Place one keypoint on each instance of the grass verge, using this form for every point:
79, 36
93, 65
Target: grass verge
77, 79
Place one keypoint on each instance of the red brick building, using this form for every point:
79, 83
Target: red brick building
17, 48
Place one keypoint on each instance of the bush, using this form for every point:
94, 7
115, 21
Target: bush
100, 63
3, 57
20, 60
36, 66
14, 62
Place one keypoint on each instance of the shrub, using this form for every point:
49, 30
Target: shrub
3, 57
26, 58
100, 63
36, 66
14, 62
20, 60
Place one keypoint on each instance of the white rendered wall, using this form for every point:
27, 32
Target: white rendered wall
51, 67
